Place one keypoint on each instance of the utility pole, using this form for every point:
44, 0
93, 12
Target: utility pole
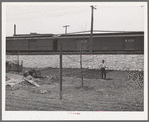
91, 40
66, 28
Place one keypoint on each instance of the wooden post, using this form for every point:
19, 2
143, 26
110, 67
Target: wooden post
91, 38
60, 71
18, 61
81, 60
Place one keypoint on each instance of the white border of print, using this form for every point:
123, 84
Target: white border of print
84, 115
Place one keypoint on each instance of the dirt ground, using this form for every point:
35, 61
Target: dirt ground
118, 93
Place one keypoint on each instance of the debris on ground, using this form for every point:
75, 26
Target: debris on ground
43, 91
49, 77
35, 73
31, 80
12, 81
39, 90
7, 78
14, 65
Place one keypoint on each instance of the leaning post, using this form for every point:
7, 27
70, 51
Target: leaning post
60, 71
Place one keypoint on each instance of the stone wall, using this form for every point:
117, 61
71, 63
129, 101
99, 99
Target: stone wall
114, 62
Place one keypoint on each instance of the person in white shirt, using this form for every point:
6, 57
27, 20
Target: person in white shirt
103, 73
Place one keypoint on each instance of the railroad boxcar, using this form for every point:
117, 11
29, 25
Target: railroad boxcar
126, 42
31, 43
73, 44
130, 42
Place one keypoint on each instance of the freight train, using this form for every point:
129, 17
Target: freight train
124, 42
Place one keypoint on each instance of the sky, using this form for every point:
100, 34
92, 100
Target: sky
50, 17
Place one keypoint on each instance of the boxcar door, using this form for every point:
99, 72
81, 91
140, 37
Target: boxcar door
81, 44
84, 44
129, 44
32, 45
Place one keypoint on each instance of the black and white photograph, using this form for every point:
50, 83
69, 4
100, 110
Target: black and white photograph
74, 61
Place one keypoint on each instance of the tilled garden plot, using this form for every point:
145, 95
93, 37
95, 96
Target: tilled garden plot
116, 94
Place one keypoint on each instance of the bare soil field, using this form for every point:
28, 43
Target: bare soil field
117, 93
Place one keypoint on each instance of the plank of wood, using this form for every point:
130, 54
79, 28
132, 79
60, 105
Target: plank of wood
32, 82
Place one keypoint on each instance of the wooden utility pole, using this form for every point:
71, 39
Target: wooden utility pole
60, 71
91, 40
66, 28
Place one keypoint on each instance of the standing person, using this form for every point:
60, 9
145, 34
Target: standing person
103, 72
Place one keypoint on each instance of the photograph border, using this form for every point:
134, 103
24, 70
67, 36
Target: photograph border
62, 115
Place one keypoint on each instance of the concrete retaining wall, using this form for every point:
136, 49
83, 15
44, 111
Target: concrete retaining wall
114, 62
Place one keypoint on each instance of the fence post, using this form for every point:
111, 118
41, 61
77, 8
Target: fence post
18, 61
60, 71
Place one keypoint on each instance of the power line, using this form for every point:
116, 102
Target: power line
101, 31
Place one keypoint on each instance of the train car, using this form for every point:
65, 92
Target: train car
130, 42
31, 43
107, 42
119, 42
73, 43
